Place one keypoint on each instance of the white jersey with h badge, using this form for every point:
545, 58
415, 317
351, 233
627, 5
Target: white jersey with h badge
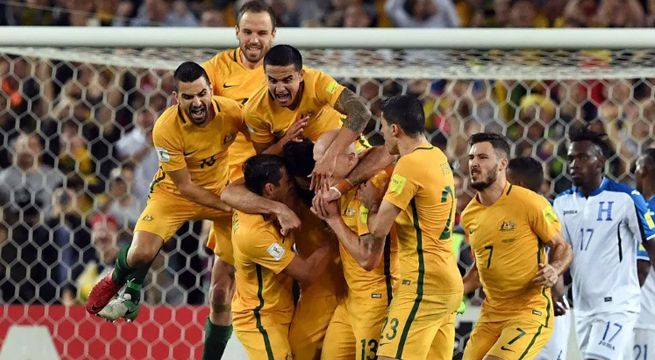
604, 230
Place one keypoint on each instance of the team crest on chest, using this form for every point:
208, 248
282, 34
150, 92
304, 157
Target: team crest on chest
351, 212
507, 225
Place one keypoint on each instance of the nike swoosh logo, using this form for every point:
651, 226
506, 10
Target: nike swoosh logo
188, 153
225, 85
505, 349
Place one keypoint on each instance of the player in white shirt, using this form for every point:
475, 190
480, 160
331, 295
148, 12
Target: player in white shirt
528, 173
643, 346
604, 221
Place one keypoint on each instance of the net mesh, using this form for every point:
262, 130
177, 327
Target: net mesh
93, 109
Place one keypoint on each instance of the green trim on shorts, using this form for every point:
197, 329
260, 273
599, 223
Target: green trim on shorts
387, 269
419, 284
534, 338
258, 317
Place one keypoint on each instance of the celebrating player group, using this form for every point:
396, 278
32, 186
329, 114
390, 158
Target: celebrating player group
271, 152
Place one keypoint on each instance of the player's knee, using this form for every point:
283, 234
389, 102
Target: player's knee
138, 256
143, 249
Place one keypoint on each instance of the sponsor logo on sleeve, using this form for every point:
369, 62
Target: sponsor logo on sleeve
276, 251
549, 214
331, 87
397, 184
163, 154
363, 214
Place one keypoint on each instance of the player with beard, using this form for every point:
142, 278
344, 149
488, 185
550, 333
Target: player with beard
303, 102
508, 227
644, 333
605, 222
193, 170
236, 74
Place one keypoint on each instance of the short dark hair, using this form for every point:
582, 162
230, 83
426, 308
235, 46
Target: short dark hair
283, 55
299, 157
189, 71
649, 160
405, 111
527, 171
256, 6
598, 139
497, 141
262, 169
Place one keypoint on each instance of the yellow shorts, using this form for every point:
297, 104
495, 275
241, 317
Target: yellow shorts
413, 325
165, 213
265, 339
309, 325
513, 339
445, 335
355, 329
220, 239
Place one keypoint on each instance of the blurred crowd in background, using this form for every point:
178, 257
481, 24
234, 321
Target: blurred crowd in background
77, 156
335, 13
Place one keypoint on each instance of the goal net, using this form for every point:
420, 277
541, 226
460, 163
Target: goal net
75, 126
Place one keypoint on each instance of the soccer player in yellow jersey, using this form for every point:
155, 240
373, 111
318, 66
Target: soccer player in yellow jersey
528, 172
421, 202
317, 301
355, 327
236, 74
191, 140
303, 102
508, 227
265, 262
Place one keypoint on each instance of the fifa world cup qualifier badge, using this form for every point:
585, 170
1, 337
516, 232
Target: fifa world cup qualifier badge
397, 183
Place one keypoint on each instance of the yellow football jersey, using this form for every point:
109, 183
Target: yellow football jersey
379, 282
312, 235
203, 150
422, 186
260, 256
268, 121
507, 239
230, 78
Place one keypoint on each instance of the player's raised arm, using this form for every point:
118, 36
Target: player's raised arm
379, 224
239, 197
357, 116
356, 244
308, 270
196, 193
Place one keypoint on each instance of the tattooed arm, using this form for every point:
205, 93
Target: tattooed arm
379, 225
357, 116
